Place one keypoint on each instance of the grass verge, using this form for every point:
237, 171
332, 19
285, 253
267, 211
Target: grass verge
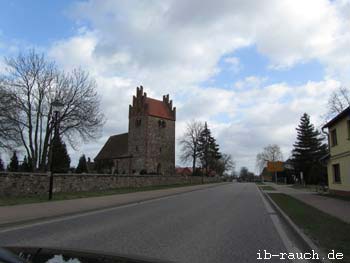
74, 195
326, 231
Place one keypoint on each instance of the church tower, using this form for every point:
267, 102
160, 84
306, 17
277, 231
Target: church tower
151, 138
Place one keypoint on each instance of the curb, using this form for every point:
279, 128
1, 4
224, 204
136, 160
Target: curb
26, 222
297, 231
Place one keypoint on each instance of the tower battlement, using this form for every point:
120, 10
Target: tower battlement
144, 106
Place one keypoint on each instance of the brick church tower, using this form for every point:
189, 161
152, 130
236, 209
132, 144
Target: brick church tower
151, 138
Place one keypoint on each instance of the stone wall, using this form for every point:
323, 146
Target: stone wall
24, 184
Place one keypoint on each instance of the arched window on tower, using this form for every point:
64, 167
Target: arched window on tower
162, 123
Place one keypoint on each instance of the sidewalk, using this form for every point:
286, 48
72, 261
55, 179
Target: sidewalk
335, 207
30, 212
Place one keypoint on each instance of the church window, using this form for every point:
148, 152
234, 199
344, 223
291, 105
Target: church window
138, 122
162, 123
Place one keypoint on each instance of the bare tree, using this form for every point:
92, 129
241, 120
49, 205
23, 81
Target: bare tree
228, 161
271, 152
30, 84
338, 101
190, 142
244, 173
225, 163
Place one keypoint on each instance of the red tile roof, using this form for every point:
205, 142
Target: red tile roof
158, 108
183, 170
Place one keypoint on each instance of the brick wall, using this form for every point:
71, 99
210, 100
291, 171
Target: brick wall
24, 184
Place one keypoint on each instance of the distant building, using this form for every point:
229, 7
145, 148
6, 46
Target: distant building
266, 175
149, 146
339, 158
287, 175
184, 171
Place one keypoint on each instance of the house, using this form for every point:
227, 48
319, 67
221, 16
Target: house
187, 171
266, 175
287, 175
183, 171
149, 145
338, 164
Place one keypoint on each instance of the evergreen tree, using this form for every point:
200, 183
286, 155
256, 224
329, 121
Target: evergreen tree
308, 149
60, 157
214, 155
208, 149
2, 166
82, 167
13, 166
26, 166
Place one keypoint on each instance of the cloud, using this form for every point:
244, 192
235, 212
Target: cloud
271, 118
174, 46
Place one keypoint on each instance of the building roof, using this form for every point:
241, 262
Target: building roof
337, 118
115, 147
183, 170
158, 108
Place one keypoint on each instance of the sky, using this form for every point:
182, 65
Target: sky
249, 68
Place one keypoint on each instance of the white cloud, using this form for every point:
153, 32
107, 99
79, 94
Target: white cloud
173, 46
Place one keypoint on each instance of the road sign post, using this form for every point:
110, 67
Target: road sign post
276, 177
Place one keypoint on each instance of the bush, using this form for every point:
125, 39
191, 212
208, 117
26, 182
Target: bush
197, 172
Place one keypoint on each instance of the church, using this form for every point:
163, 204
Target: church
149, 145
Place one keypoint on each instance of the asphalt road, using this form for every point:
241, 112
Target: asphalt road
228, 223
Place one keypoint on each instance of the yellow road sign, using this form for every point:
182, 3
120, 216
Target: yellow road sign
275, 166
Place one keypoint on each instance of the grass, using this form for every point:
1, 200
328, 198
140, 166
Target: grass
327, 231
75, 195
259, 183
267, 188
